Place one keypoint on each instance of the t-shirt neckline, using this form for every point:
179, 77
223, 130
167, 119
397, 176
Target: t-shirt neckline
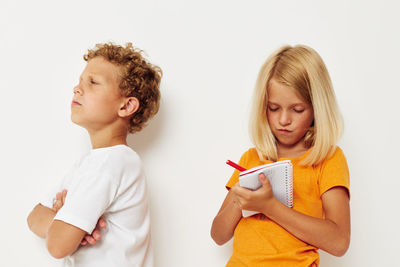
107, 147
298, 158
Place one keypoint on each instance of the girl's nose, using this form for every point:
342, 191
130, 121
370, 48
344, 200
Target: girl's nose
284, 119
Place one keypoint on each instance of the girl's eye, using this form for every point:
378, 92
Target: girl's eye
299, 110
272, 109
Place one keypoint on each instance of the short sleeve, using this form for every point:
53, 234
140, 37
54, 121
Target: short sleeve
335, 172
235, 176
88, 199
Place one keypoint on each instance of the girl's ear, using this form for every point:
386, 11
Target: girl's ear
130, 106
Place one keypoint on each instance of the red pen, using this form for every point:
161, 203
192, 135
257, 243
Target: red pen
236, 166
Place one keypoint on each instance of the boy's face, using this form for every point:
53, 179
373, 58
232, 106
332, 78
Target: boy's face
97, 97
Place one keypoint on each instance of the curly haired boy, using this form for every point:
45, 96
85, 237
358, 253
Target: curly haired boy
118, 92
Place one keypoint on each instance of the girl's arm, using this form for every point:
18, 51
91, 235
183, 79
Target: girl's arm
225, 222
331, 234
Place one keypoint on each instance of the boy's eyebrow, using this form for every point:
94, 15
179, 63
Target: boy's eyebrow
92, 75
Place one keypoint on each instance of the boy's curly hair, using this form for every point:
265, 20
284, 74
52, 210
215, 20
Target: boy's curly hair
139, 78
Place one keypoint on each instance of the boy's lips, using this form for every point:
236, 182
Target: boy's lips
75, 103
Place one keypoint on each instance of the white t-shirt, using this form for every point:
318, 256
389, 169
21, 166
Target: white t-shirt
108, 182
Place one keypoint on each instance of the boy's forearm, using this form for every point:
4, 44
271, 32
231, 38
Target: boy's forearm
62, 238
40, 219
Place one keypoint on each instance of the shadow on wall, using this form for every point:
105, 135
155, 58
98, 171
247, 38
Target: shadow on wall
143, 141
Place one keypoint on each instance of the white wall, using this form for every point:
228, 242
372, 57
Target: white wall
210, 52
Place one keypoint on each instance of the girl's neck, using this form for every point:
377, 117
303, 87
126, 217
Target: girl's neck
294, 151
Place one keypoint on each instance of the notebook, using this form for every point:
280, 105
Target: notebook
280, 175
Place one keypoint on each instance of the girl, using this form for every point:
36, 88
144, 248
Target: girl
295, 116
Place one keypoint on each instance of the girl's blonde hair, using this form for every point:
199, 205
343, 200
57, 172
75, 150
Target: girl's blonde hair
301, 68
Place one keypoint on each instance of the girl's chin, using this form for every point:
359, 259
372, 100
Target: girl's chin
289, 143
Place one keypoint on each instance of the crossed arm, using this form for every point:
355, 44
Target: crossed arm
62, 238
331, 234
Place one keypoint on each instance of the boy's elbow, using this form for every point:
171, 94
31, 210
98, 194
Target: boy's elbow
33, 221
29, 221
56, 250
31, 217
56, 253
63, 239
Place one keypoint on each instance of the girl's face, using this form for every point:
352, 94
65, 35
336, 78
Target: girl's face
289, 116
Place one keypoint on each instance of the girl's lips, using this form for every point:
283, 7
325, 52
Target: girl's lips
284, 131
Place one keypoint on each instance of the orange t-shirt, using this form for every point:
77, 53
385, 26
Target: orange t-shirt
262, 242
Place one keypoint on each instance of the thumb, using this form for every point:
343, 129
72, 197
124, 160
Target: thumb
263, 179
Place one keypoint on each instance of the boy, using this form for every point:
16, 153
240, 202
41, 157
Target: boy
117, 93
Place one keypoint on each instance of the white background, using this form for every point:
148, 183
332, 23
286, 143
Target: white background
210, 52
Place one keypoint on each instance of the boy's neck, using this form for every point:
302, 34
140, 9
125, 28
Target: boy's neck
107, 137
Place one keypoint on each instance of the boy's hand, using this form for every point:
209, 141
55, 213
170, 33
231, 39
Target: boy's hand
95, 235
60, 200
258, 200
101, 223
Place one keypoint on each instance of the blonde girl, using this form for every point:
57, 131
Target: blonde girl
295, 116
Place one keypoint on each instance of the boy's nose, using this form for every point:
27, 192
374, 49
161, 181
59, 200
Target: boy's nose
77, 90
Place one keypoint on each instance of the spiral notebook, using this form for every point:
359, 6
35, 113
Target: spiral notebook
279, 174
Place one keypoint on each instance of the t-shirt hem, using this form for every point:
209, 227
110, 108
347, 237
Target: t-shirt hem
75, 221
335, 185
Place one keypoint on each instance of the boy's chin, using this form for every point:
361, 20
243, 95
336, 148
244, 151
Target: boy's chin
76, 121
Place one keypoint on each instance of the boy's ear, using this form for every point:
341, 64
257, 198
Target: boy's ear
130, 106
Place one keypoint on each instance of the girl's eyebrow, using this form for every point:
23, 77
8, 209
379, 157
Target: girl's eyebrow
291, 105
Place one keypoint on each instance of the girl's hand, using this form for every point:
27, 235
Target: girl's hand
259, 200
60, 200
95, 235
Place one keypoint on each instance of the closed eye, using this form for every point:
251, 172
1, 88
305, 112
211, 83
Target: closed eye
272, 109
299, 110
